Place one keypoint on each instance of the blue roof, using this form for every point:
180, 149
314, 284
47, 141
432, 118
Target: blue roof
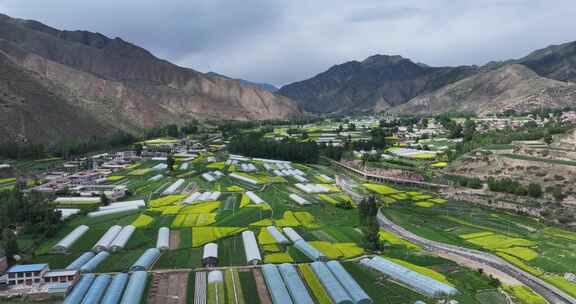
27, 267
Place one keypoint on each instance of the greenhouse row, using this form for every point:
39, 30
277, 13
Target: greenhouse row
358, 295
212, 176
326, 177
159, 167
109, 289
292, 234
295, 285
163, 241
184, 166
254, 198
243, 178
115, 238
122, 238
299, 200
155, 178
248, 168
312, 188
131, 209
94, 261
202, 197
67, 212
251, 249
146, 260
309, 251
276, 286
174, 187
137, 203
335, 290
70, 239
419, 282
277, 235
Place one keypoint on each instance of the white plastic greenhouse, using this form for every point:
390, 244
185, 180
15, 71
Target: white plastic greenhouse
326, 177
296, 287
114, 292
137, 203
80, 289
419, 282
97, 290
214, 196
254, 198
174, 187
135, 289
163, 241
80, 261
122, 238
107, 238
276, 286
243, 178
155, 178
192, 198
146, 260
208, 177
67, 212
210, 255
309, 251
299, 200
129, 209
292, 234
335, 290
94, 262
251, 250
349, 283
95, 200
277, 235
65, 243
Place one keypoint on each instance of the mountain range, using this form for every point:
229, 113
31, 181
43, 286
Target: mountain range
56, 85
544, 78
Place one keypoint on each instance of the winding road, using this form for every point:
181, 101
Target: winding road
552, 294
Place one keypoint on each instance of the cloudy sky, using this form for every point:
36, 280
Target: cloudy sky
281, 41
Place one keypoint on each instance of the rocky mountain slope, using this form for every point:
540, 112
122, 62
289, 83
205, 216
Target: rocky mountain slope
556, 62
377, 83
391, 83
85, 83
512, 86
264, 86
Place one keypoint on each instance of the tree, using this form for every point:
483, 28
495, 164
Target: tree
534, 190
10, 243
138, 149
469, 129
548, 139
170, 162
104, 200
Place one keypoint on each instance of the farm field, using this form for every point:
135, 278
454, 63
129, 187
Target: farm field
544, 251
199, 211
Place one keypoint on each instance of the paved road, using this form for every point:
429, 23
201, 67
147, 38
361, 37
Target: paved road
552, 294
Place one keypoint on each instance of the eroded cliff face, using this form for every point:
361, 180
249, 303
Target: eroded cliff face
510, 87
118, 85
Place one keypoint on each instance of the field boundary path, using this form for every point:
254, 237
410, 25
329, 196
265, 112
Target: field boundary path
459, 254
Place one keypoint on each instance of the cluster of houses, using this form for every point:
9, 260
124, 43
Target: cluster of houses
35, 280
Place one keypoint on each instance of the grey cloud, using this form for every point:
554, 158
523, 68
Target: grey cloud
281, 41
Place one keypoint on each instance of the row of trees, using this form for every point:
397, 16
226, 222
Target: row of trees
507, 185
76, 147
254, 145
367, 212
29, 214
